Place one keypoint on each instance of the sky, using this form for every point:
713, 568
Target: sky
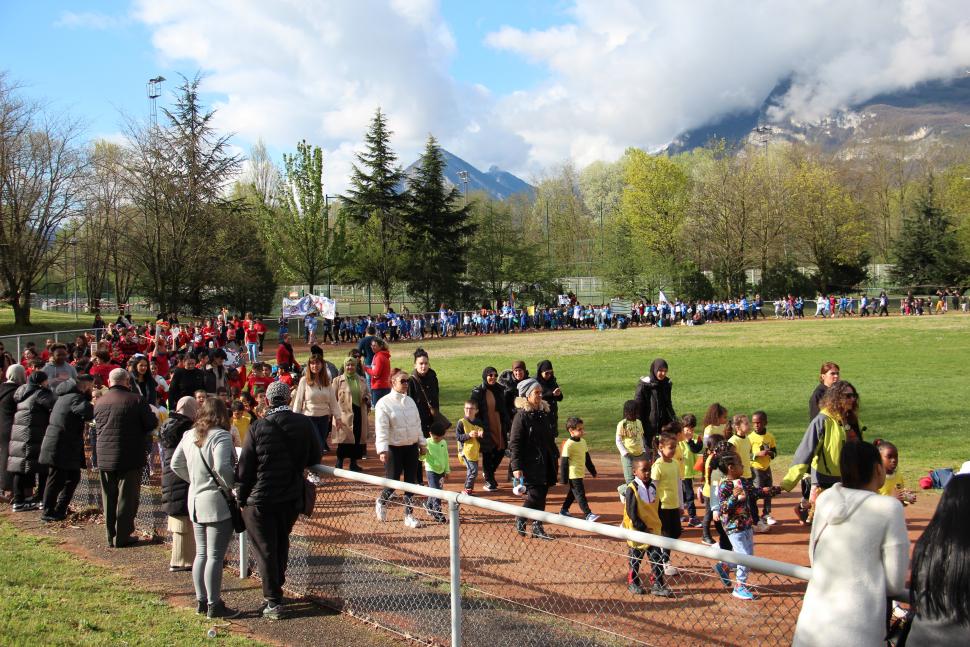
521, 85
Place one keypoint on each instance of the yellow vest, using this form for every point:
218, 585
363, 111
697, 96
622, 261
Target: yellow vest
470, 449
647, 512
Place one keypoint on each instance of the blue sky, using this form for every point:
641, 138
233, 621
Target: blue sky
522, 85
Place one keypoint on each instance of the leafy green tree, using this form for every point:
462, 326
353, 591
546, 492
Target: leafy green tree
623, 266
655, 201
500, 258
375, 201
298, 231
438, 231
927, 252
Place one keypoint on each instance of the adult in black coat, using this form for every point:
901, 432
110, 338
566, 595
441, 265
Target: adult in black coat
654, 403
175, 491
551, 393
424, 390
489, 398
16, 377
185, 381
124, 422
277, 449
534, 457
509, 379
34, 403
63, 448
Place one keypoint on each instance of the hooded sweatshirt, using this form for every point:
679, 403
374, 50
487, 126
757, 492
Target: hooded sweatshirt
860, 555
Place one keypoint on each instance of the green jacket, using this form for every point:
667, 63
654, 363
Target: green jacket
436, 460
820, 449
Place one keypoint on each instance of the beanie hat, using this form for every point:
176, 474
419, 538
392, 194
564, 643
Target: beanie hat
527, 385
518, 364
278, 393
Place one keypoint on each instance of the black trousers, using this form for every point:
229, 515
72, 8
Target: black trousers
656, 565
23, 483
269, 528
119, 492
491, 461
61, 484
576, 493
401, 459
669, 527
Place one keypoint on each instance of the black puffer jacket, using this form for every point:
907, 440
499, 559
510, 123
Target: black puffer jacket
532, 444
175, 491
34, 404
124, 423
63, 445
510, 384
184, 382
8, 407
274, 455
656, 408
548, 386
424, 391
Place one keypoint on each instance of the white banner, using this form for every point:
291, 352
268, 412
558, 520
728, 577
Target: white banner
326, 308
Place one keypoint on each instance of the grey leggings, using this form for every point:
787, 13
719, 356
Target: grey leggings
211, 542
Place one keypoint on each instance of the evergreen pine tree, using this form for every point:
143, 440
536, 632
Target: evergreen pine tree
926, 253
438, 233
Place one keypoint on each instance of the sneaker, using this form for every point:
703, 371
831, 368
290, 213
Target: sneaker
762, 526
671, 571
273, 611
592, 517
380, 510
220, 610
695, 522
201, 607
411, 522
564, 513
468, 491
490, 487
25, 507
722, 572
661, 590
801, 513
636, 589
313, 478
538, 532
742, 592
770, 520
707, 540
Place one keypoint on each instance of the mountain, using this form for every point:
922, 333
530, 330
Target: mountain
920, 117
497, 183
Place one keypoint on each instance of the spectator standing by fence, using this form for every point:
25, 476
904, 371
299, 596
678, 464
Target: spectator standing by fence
399, 443
16, 377
277, 449
351, 426
124, 424
204, 458
175, 491
314, 397
34, 404
654, 402
535, 458
63, 448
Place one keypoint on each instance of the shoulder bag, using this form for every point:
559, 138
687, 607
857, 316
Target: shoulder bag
438, 419
234, 512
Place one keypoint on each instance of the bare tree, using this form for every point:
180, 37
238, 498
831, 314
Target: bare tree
41, 183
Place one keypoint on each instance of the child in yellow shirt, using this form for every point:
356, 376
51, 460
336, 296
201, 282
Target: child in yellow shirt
894, 486
689, 448
741, 427
469, 432
665, 473
640, 512
573, 465
763, 449
629, 442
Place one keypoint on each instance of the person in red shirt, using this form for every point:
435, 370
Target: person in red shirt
285, 358
252, 344
102, 365
379, 370
259, 379
260, 329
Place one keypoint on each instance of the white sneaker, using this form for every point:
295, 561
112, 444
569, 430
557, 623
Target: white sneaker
761, 526
380, 510
411, 522
671, 571
592, 517
771, 520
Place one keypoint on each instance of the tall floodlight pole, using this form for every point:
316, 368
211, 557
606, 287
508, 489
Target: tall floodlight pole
326, 224
463, 178
765, 135
154, 91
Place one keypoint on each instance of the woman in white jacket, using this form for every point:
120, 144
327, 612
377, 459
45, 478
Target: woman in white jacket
399, 442
860, 554
314, 397
205, 451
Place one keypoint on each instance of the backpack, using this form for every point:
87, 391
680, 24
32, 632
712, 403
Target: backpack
940, 477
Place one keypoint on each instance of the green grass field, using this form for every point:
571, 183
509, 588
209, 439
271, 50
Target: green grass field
51, 597
913, 375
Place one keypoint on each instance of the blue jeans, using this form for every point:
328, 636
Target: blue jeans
322, 425
471, 473
211, 542
742, 542
434, 481
253, 348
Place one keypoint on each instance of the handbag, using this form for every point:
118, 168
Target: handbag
238, 524
309, 498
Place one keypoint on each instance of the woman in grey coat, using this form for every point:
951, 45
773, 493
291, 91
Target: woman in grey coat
208, 443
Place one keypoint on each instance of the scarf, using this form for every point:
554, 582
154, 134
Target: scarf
354, 385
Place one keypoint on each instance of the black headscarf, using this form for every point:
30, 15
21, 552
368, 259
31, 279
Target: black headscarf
656, 366
544, 365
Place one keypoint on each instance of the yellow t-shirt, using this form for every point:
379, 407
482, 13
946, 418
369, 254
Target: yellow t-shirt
758, 443
575, 451
630, 434
894, 484
711, 430
242, 426
743, 446
667, 478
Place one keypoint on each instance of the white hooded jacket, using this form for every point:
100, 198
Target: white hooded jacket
859, 551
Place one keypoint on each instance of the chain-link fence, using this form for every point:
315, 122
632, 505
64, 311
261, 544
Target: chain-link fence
512, 588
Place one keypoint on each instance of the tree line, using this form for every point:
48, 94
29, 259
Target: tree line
173, 214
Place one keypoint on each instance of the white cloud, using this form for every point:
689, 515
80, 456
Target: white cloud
626, 72
89, 20
295, 70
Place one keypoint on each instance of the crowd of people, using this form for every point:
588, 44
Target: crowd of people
235, 434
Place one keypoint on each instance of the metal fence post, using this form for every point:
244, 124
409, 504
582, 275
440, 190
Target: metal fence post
20, 351
243, 555
455, 573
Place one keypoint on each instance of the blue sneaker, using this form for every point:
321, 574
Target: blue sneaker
722, 572
742, 592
